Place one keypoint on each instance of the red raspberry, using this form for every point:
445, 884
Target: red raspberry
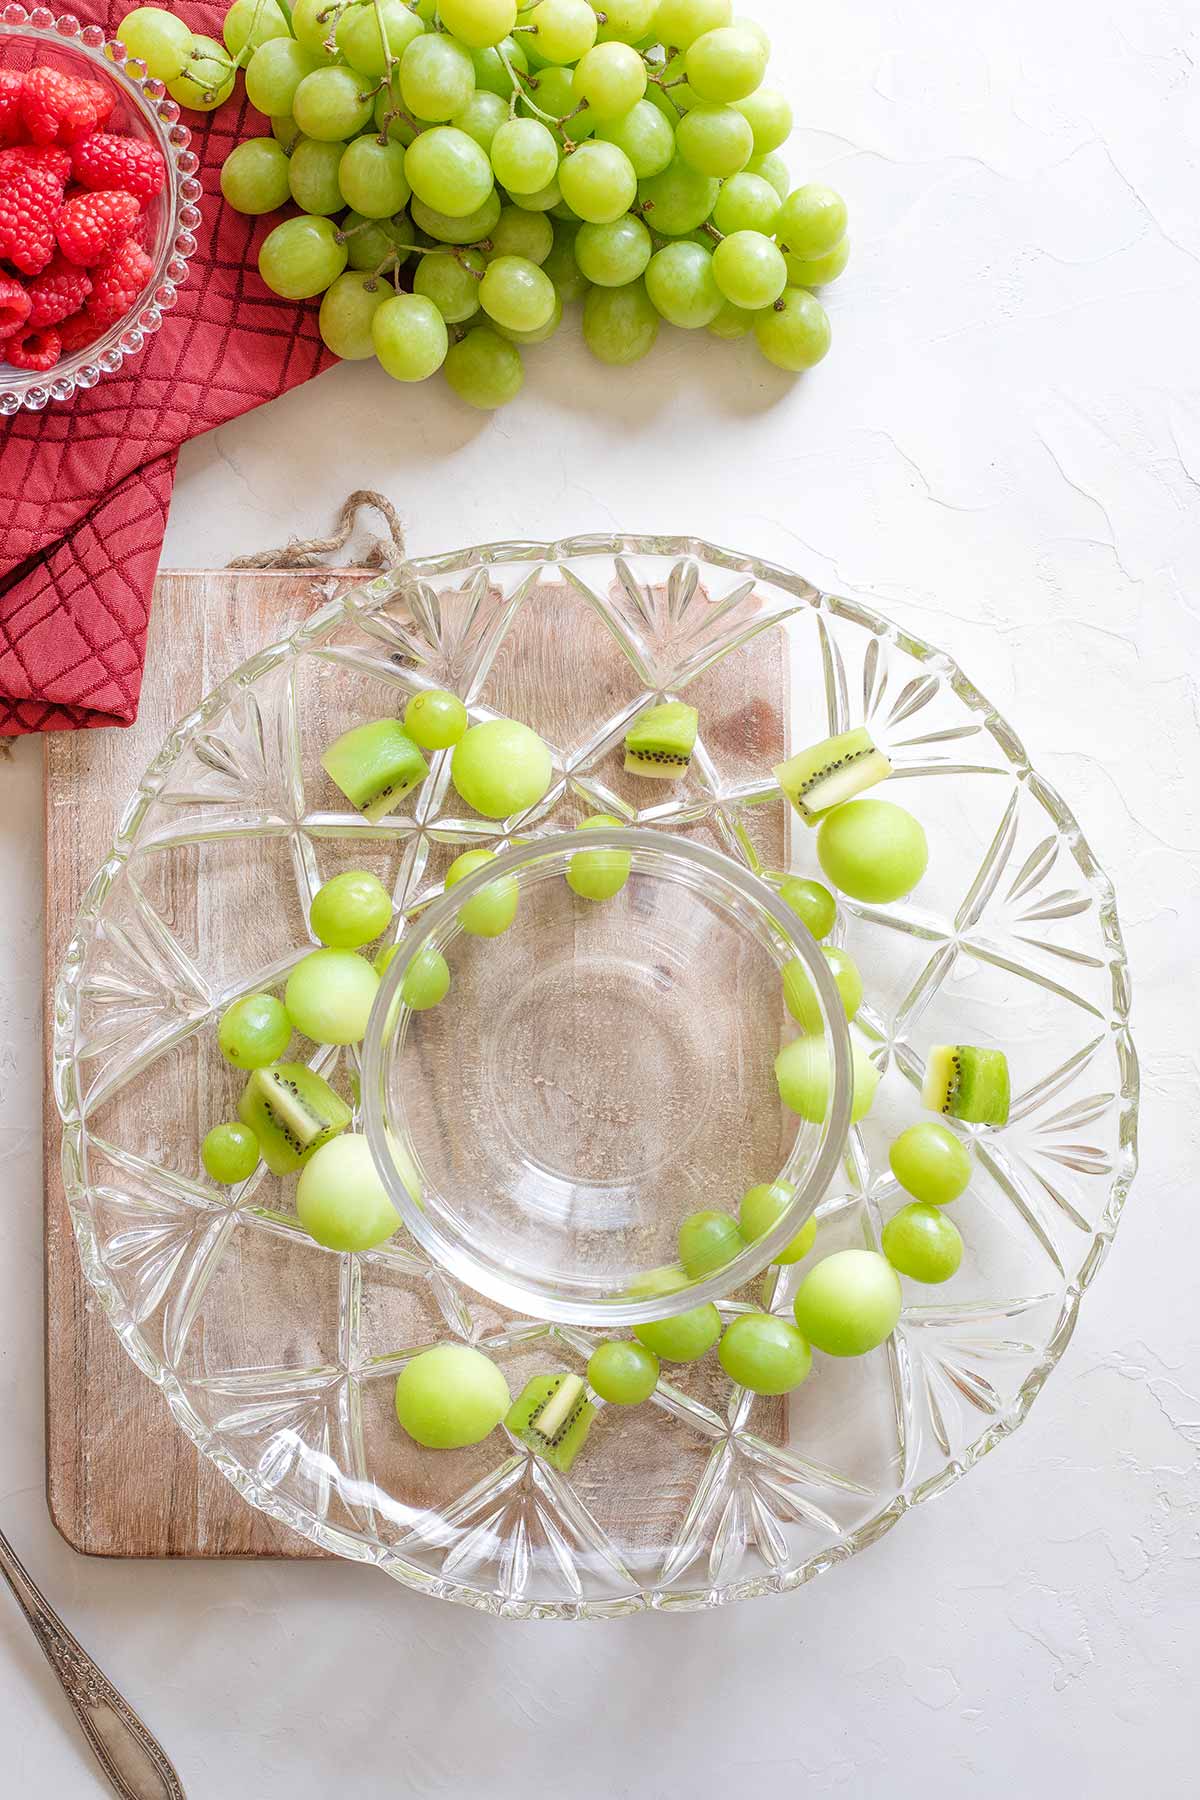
56, 293
106, 161
77, 332
55, 108
15, 306
90, 225
38, 350
29, 202
117, 283
101, 97
11, 125
50, 158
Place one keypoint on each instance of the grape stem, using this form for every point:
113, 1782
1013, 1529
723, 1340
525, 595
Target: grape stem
712, 231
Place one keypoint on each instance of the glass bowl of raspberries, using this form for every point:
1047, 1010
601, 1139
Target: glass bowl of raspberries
98, 206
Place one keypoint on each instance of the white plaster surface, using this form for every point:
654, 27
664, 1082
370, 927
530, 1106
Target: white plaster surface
1004, 452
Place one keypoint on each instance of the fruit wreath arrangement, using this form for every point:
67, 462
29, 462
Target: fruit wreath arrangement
463, 170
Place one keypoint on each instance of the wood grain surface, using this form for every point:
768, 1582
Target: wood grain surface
122, 1478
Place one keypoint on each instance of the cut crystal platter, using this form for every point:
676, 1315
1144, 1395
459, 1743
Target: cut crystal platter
278, 1358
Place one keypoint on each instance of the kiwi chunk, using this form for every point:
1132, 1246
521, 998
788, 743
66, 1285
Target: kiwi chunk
818, 779
375, 765
967, 1083
292, 1111
553, 1416
660, 741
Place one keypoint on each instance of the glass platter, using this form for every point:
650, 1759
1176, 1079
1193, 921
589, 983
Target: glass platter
278, 1358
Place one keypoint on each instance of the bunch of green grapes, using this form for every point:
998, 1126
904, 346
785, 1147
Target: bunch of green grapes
465, 169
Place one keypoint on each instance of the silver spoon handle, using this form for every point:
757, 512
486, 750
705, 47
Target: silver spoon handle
136, 1765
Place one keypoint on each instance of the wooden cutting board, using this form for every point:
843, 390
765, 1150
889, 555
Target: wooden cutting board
122, 1479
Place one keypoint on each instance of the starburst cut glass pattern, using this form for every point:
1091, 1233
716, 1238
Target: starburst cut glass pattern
279, 1358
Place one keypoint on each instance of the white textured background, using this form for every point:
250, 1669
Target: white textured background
1003, 451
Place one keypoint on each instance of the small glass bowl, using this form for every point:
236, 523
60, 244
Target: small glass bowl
596, 1074
145, 110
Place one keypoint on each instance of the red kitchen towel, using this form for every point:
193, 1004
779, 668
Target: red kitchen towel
85, 485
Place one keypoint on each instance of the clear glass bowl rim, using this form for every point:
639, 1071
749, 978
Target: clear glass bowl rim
489, 1277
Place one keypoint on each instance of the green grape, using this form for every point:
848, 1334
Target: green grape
812, 903
452, 283
484, 371
680, 22
501, 768
923, 1243
351, 908
388, 106
371, 176
313, 176
348, 307
761, 1210
450, 1397
849, 1303
526, 234
758, 30
811, 221
622, 1373
254, 1032
678, 200
685, 1338
679, 281
772, 169
802, 1073
254, 176
285, 132
230, 1153
426, 11
540, 332
817, 271
330, 105
565, 29
515, 293
252, 22
931, 1163
570, 283
746, 203
314, 22
731, 322
447, 170
715, 140
301, 257
626, 21
707, 1241
524, 156
873, 850
478, 23
370, 241
598, 874
490, 72
437, 77
597, 180
794, 333
554, 94
492, 910
749, 269
208, 75
472, 228
644, 135
801, 996
329, 995
359, 40
158, 39
341, 1201
612, 255
764, 1354
726, 64
768, 113
610, 79
435, 719
620, 325
426, 980
544, 200
481, 118
410, 337
668, 1279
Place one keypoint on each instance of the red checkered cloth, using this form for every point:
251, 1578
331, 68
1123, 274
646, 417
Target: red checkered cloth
85, 485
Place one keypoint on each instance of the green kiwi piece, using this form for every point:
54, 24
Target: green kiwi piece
375, 765
660, 741
292, 1111
967, 1083
553, 1416
818, 779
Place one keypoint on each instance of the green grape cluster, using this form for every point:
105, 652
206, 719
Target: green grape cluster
465, 170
